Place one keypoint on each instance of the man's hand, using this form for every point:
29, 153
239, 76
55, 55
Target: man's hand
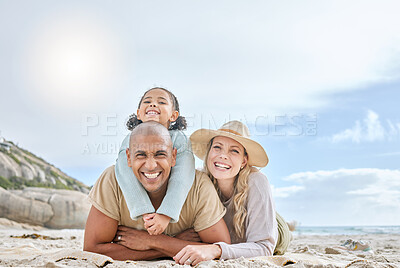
101, 230
170, 246
132, 238
155, 223
194, 254
189, 235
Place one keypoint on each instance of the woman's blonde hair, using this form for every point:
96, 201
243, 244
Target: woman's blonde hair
240, 192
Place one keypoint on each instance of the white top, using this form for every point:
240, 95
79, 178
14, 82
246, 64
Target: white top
261, 228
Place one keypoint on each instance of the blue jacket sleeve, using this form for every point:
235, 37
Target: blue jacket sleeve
136, 197
182, 177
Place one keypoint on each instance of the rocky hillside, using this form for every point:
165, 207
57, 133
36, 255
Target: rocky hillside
20, 168
35, 192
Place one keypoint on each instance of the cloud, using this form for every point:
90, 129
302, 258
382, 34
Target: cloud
381, 196
342, 197
297, 64
281, 60
368, 130
238, 59
285, 191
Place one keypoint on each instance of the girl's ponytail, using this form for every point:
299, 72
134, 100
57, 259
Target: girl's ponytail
132, 122
179, 124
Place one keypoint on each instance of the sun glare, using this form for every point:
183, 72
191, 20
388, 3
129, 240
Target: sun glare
70, 63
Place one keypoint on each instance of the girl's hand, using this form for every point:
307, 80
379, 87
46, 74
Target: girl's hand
155, 224
189, 235
194, 254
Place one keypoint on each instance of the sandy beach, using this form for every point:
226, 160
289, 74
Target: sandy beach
27, 246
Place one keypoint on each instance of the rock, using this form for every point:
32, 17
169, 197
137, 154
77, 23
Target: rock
8, 167
63, 181
40, 174
24, 210
70, 208
52, 208
39, 194
84, 190
31, 170
52, 180
27, 172
330, 250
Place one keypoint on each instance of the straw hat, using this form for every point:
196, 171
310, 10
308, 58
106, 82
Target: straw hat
235, 130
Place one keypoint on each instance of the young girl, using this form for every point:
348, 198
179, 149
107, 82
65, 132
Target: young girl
160, 105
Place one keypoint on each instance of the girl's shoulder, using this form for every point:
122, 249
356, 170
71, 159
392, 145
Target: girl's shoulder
176, 133
178, 137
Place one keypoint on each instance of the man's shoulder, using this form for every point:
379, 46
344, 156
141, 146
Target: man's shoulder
105, 194
200, 183
201, 178
108, 176
109, 172
203, 206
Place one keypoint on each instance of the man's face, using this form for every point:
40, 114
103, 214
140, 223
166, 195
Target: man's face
151, 159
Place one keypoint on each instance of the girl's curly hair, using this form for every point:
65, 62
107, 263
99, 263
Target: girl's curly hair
179, 123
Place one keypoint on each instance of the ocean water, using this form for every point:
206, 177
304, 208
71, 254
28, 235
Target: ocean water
346, 230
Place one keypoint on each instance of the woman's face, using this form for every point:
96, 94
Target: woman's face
225, 158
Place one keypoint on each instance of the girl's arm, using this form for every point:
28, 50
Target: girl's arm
182, 176
261, 224
136, 197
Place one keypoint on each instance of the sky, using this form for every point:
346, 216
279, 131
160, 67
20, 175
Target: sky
317, 83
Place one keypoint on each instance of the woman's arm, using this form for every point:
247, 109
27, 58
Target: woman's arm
261, 225
247, 249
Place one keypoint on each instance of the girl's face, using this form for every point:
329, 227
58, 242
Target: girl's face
157, 106
225, 158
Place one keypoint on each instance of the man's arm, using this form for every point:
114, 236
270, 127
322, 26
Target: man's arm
100, 231
170, 246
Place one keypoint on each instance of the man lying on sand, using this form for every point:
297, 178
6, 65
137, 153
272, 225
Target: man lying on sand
109, 228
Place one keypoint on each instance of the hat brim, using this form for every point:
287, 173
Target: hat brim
201, 137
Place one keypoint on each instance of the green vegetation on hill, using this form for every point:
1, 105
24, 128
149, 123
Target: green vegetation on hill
5, 183
24, 157
13, 157
34, 156
17, 183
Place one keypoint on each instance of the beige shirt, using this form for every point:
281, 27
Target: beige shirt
201, 210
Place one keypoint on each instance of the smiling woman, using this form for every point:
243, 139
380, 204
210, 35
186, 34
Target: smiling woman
72, 61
